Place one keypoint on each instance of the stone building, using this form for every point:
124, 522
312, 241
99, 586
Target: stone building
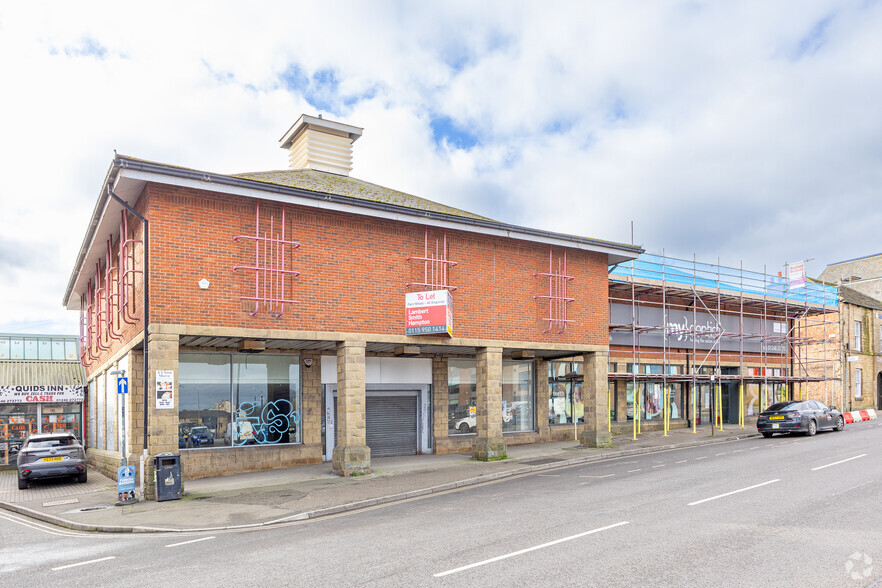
293, 316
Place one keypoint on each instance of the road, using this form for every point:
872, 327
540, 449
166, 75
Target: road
755, 512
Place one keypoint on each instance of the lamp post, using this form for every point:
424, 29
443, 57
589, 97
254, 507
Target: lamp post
121, 374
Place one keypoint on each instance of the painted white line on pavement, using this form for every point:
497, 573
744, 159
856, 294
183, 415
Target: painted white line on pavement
529, 549
606, 476
82, 563
719, 454
752, 448
659, 466
838, 462
852, 488
732, 492
38, 527
738, 451
632, 471
682, 461
702, 457
191, 541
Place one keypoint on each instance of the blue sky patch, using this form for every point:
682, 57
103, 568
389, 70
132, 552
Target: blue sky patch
814, 40
88, 47
444, 129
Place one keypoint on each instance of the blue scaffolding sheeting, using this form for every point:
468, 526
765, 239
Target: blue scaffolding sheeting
729, 280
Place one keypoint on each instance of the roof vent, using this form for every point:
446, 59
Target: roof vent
319, 144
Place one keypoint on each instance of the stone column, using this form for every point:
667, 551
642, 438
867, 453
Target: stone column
440, 401
311, 410
351, 455
543, 392
162, 424
621, 390
594, 396
135, 416
489, 444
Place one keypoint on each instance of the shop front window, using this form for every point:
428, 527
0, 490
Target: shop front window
518, 399
565, 393
62, 418
110, 412
99, 411
238, 400
16, 421
461, 399
92, 427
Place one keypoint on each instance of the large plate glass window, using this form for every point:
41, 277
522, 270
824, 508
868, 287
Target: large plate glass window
461, 401
518, 399
565, 393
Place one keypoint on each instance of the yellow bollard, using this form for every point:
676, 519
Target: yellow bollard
741, 404
694, 430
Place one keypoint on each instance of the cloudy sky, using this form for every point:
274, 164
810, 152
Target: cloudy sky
740, 131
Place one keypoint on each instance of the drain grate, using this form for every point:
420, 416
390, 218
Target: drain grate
543, 461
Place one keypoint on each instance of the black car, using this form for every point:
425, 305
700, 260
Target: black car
799, 416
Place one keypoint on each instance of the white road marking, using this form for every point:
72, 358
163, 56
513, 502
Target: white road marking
548, 475
702, 457
191, 541
82, 563
752, 448
732, 492
852, 488
39, 527
606, 476
529, 549
682, 461
632, 471
838, 462
738, 451
659, 466
719, 454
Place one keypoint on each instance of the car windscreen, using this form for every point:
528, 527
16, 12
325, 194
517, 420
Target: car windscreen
55, 442
779, 406
198, 430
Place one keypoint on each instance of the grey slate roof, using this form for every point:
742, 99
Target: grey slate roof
852, 296
42, 373
327, 183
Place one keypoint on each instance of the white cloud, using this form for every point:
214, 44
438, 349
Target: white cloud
747, 131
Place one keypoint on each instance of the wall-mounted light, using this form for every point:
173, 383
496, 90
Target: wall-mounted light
307, 362
204, 284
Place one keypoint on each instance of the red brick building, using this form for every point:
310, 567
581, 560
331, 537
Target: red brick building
275, 312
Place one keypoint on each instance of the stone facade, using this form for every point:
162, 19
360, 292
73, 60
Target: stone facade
351, 455
489, 444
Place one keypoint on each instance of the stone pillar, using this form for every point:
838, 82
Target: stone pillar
594, 397
311, 410
440, 401
621, 391
135, 416
489, 445
162, 424
351, 455
543, 392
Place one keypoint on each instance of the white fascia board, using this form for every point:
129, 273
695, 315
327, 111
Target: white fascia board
413, 218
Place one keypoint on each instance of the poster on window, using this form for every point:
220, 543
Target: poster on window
165, 389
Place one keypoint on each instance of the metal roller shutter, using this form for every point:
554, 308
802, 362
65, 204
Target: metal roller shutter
391, 427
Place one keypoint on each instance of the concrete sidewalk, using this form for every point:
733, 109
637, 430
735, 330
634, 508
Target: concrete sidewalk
305, 492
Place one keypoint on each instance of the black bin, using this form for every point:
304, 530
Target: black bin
167, 476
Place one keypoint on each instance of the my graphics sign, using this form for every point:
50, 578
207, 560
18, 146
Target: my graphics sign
27, 394
428, 313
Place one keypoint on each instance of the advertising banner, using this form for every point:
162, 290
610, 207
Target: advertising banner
797, 274
428, 313
681, 326
26, 394
165, 389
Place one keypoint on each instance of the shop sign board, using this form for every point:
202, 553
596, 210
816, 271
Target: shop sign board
29, 394
429, 313
165, 389
797, 274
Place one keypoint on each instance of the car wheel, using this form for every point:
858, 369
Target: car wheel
767, 435
464, 428
22, 484
840, 424
812, 429
83, 477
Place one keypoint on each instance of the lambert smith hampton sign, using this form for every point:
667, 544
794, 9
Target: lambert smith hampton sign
428, 313
17, 394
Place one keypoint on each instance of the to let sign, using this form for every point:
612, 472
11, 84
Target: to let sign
429, 313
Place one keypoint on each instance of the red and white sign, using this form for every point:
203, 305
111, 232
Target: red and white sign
65, 393
797, 274
428, 313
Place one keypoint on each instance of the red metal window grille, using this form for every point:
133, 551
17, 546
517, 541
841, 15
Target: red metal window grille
100, 312
436, 266
273, 253
127, 272
111, 293
558, 300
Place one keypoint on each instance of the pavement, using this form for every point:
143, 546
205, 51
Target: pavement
281, 495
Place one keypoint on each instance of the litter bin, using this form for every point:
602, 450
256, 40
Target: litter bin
167, 476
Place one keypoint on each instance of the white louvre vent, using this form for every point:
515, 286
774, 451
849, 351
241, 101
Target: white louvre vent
322, 145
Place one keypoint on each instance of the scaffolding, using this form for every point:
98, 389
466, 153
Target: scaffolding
693, 329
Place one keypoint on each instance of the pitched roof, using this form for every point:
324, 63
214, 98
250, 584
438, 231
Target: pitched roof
328, 183
852, 296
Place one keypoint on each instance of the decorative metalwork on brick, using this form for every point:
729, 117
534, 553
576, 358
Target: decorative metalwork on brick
127, 272
436, 266
273, 253
100, 312
557, 297
85, 342
111, 293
